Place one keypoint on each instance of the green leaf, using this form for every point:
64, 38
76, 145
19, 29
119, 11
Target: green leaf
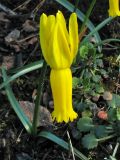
15, 105
86, 50
61, 143
118, 113
85, 124
96, 78
103, 72
99, 88
100, 131
86, 113
21, 71
81, 16
91, 48
112, 115
81, 106
75, 82
89, 141
83, 52
99, 63
115, 102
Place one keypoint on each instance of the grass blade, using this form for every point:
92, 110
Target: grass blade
108, 41
62, 143
15, 105
26, 69
101, 25
87, 15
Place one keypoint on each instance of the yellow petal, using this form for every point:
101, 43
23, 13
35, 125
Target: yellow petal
46, 27
73, 34
60, 85
42, 34
62, 21
114, 8
60, 48
50, 30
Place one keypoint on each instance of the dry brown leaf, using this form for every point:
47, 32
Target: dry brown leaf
32, 40
29, 26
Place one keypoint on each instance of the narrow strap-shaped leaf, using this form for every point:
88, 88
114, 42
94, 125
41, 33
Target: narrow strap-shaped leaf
108, 41
97, 28
15, 104
23, 70
61, 143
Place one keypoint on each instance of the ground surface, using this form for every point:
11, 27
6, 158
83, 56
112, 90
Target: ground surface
23, 22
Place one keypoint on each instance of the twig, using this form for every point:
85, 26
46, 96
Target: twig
26, 38
38, 7
46, 154
7, 10
71, 147
115, 149
18, 138
23, 4
63, 156
32, 53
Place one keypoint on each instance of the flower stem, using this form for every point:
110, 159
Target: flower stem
36, 114
106, 138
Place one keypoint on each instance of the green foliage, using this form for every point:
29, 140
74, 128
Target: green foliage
118, 113
75, 82
101, 131
86, 107
85, 124
115, 102
61, 143
97, 28
15, 104
89, 141
112, 114
89, 76
83, 52
22, 71
93, 132
86, 113
114, 108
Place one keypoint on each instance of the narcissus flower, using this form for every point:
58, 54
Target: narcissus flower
59, 48
114, 8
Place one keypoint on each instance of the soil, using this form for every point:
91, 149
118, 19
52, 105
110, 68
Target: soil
21, 48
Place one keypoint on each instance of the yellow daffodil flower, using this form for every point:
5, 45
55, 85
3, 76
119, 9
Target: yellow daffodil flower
114, 8
59, 48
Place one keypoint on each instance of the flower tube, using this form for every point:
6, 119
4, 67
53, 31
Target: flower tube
59, 48
114, 8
